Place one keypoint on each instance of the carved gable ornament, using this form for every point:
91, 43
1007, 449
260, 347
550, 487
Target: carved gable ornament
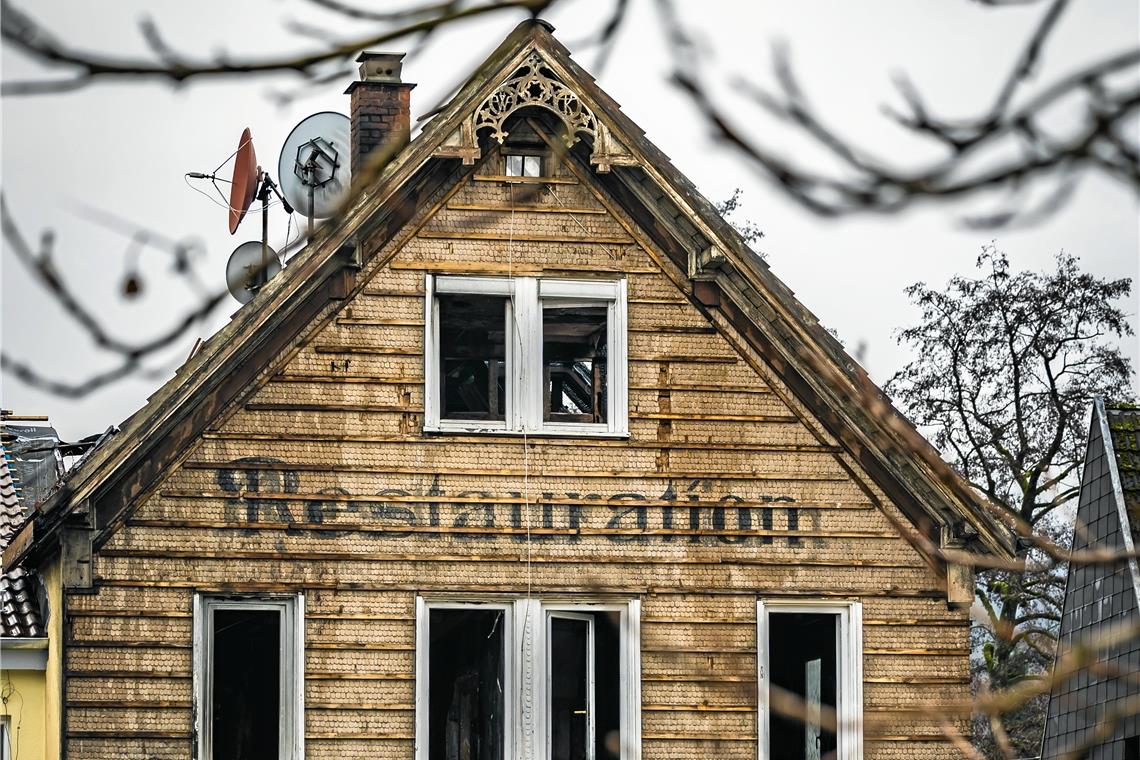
535, 84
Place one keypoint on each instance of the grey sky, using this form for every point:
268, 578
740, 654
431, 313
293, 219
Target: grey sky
124, 148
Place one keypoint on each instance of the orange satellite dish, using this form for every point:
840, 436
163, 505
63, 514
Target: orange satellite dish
244, 185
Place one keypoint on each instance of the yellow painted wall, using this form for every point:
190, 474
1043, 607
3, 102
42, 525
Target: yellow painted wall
23, 700
30, 699
53, 716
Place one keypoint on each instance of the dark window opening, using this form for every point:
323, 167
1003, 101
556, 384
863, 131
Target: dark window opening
1132, 748
803, 664
574, 363
473, 357
523, 166
465, 684
585, 709
246, 684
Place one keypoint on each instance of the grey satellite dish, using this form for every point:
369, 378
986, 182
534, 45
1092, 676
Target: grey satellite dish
251, 265
314, 169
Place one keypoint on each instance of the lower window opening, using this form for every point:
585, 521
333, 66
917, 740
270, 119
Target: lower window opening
802, 661
585, 711
246, 684
465, 683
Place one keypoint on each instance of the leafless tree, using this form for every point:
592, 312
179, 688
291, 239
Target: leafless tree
1007, 364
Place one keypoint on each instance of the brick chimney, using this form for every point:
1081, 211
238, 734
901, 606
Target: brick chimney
381, 106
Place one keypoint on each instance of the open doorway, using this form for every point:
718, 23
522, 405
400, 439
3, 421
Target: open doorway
805, 672
584, 686
466, 710
810, 678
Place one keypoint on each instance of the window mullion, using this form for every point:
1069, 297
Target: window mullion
527, 371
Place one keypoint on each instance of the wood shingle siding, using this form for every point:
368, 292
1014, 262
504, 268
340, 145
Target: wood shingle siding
321, 480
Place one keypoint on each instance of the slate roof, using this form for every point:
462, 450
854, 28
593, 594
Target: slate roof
1124, 427
20, 615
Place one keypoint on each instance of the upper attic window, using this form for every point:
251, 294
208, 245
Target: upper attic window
522, 165
525, 354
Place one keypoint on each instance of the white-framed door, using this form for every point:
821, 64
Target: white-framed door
848, 620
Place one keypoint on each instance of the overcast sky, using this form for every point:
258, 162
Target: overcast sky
124, 148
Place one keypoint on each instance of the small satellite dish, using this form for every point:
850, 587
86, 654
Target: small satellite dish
244, 185
314, 169
245, 272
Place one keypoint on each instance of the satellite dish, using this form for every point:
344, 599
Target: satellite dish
244, 185
245, 273
314, 169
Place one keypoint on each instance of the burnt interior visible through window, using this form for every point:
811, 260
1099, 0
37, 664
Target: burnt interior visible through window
584, 686
574, 363
522, 165
802, 660
246, 681
465, 684
473, 357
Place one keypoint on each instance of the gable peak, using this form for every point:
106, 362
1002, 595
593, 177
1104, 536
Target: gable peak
533, 80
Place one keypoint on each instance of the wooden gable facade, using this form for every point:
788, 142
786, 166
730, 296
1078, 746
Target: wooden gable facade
692, 538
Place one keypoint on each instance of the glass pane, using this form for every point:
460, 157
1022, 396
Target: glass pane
574, 364
569, 689
473, 357
465, 685
802, 660
523, 166
246, 684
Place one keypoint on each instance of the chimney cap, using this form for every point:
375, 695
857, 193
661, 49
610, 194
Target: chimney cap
371, 55
377, 66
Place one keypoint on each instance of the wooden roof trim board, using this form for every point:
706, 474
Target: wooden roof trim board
902, 460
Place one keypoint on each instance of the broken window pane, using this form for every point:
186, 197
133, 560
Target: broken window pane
585, 697
523, 166
473, 353
465, 684
246, 684
574, 363
802, 660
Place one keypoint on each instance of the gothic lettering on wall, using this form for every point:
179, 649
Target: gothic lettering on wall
683, 512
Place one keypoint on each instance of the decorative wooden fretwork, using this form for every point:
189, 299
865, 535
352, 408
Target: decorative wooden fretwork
536, 84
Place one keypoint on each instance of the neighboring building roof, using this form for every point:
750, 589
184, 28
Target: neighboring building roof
19, 606
11, 509
1101, 597
1124, 428
20, 615
684, 223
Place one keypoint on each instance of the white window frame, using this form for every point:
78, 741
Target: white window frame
849, 669
291, 730
423, 661
591, 675
527, 297
526, 675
